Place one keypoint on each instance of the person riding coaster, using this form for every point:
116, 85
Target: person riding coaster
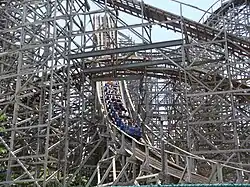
117, 112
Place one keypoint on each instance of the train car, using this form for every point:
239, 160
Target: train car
118, 113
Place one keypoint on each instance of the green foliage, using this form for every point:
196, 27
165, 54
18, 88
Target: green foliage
2, 129
2, 150
79, 181
2, 117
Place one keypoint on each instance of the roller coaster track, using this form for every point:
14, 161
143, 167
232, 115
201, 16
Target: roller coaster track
194, 29
142, 150
174, 22
223, 9
174, 73
78, 77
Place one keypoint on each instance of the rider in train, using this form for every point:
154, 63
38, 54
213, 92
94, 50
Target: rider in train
117, 111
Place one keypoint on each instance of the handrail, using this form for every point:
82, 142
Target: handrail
224, 6
209, 10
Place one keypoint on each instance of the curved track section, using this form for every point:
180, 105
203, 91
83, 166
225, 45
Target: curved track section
222, 10
231, 14
56, 134
139, 150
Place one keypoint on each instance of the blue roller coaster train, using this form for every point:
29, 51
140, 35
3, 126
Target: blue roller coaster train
118, 113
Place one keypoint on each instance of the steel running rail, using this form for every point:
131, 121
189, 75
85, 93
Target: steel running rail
174, 22
141, 150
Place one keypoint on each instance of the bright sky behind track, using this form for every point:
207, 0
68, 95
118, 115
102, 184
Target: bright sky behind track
187, 11
191, 9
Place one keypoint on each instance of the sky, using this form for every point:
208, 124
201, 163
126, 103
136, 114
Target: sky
171, 6
190, 12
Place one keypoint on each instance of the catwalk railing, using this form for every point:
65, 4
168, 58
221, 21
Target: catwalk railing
219, 9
